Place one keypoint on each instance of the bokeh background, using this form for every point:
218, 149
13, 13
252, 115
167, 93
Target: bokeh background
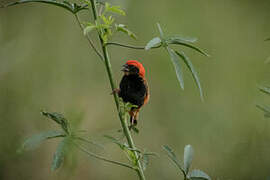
46, 63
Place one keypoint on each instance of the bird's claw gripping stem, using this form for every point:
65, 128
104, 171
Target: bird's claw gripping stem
115, 91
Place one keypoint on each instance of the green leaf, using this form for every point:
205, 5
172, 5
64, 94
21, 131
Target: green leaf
198, 175
59, 155
123, 28
160, 31
179, 42
188, 155
152, 43
136, 130
267, 60
265, 109
267, 39
107, 20
127, 106
264, 89
177, 66
73, 8
88, 29
173, 157
151, 154
116, 141
131, 156
35, 140
189, 64
114, 9
145, 161
181, 39
145, 158
58, 118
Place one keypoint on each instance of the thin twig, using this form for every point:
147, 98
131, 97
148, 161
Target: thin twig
103, 158
88, 141
130, 46
89, 40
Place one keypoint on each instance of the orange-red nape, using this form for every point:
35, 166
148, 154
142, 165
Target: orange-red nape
138, 65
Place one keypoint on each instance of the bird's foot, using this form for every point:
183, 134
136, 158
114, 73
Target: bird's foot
115, 91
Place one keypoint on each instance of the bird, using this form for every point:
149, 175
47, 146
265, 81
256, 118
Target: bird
133, 88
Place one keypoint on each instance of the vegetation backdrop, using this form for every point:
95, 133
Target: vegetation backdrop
45, 63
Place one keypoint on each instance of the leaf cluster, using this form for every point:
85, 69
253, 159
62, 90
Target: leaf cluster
175, 55
130, 153
67, 135
106, 25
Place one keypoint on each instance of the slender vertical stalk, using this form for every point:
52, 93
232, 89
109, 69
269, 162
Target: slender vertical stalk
116, 99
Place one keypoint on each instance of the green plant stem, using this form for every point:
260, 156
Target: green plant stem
130, 46
88, 39
103, 158
124, 125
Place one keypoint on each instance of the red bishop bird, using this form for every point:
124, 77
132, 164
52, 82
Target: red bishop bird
134, 88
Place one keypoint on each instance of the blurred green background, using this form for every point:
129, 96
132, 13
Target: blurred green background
46, 63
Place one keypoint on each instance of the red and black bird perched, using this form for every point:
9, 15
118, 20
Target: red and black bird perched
134, 88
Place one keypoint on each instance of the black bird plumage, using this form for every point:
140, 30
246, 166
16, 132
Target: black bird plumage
133, 89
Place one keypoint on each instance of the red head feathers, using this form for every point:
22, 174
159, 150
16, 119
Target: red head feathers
138, 65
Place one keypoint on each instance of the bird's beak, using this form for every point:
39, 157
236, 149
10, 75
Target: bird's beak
125, 68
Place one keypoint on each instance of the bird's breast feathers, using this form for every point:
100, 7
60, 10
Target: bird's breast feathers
134, 89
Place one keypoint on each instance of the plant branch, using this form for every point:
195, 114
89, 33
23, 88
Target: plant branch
88, 141
116, 99
89, 40
103, 158
129, 46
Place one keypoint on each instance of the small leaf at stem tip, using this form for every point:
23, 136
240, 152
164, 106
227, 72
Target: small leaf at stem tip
198, 175
177, 66
152, 43
35, 140
188, 155
195, 76
88, 29
160, 31
60, 153
123, 28
114, 9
